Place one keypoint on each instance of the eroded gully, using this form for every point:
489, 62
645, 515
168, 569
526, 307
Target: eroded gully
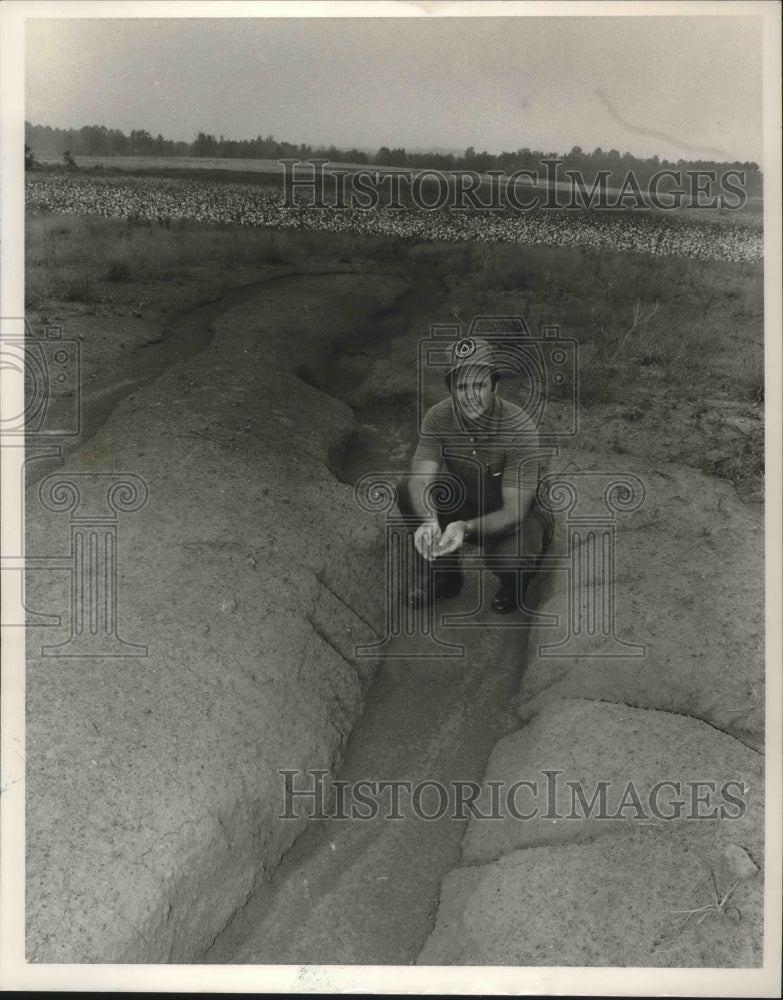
366, 891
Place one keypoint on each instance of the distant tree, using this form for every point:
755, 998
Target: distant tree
397, 157
575, 159
97, 140
141, 143
205, 145
356, 156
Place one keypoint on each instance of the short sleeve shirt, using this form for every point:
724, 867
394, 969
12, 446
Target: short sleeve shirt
502, 450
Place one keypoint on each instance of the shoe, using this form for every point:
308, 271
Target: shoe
444, 585
505, 601
419, 596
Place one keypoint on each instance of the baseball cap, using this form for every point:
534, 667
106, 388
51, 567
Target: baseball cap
471, 352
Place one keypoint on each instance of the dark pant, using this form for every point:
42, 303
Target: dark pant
525, 542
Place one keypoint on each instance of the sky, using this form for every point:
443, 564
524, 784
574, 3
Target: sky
675, 86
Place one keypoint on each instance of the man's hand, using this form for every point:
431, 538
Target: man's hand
451, 539
427, 538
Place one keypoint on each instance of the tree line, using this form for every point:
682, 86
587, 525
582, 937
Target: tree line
97, 140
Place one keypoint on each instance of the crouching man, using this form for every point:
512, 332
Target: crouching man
491, 446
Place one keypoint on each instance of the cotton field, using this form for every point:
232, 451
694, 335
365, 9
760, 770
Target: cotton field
163, 200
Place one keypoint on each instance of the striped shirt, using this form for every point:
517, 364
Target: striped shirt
501, 450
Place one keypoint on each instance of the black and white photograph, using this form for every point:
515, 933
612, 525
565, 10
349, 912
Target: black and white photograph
391, 495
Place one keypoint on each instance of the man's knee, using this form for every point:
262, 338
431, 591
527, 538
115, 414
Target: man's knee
526, 540
532, 537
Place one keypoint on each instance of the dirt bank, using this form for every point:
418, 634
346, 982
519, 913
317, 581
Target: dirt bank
152, 788
664, 874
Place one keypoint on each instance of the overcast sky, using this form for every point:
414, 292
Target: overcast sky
676, 86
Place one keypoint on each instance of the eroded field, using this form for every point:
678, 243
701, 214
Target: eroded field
670, 350
251, 575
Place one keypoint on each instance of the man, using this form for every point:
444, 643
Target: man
491, 446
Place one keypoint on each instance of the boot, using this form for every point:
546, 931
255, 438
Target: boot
512, 585
443, 578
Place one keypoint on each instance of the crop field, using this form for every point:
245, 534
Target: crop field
163, 200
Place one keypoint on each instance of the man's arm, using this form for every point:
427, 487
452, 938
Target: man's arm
516, 504
423, 473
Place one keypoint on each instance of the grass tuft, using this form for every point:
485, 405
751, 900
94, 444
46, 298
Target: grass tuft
743, 464
118, 269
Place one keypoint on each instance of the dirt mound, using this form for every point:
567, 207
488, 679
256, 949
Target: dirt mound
621, 902
153, 785
685, 589
596, 769
646, 666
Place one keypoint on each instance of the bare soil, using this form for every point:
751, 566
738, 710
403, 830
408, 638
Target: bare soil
135, 332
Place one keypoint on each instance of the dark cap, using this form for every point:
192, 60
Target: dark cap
471, 352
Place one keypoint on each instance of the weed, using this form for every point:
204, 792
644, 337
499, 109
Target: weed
274, 256
749, 384
118, 269
743, 461
36, 290
651, 356
720, 906
639, 318
135, 220
76, 287
632, 413
598, 384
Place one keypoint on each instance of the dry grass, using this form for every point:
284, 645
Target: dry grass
699, 320
646, 327
696, 325
68, 255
